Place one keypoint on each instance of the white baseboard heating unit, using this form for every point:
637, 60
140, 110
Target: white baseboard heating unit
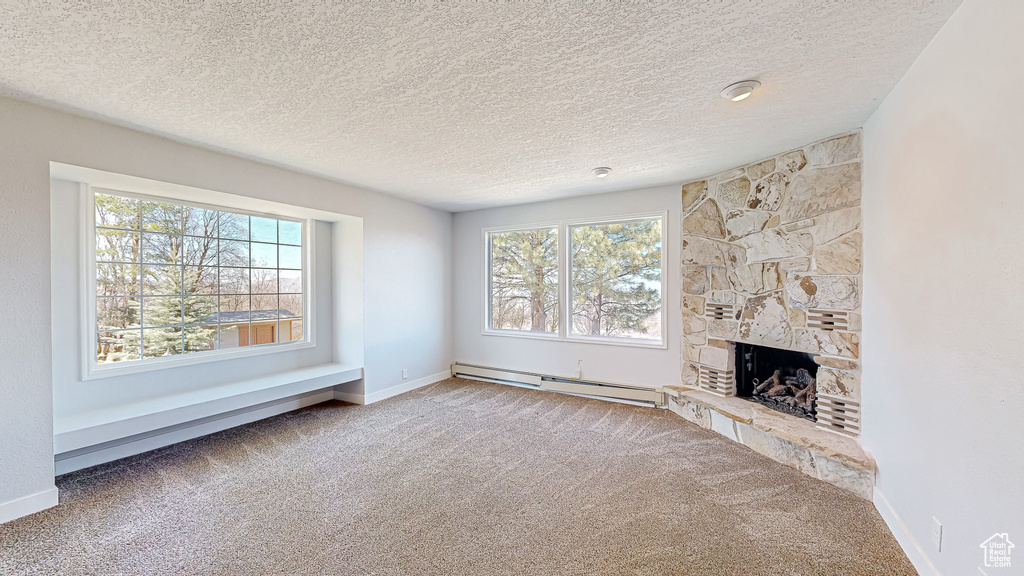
606, 390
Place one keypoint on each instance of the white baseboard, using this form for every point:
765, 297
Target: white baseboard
132, 445
393, 391
28, 505
906, 541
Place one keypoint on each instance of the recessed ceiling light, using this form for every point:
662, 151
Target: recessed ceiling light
740, 90
602, 171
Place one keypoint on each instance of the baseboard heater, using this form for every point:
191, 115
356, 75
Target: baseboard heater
558, 384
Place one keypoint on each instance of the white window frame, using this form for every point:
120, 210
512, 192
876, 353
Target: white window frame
488, 277
564, 333
91, 369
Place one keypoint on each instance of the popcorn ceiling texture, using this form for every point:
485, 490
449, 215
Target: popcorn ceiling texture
470, 104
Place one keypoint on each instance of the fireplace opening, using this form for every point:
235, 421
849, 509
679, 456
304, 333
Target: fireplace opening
783, 380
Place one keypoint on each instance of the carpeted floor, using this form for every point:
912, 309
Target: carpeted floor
456, 478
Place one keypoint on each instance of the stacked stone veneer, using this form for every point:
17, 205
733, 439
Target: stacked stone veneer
771, 255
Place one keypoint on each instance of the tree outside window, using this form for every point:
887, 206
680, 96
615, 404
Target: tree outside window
524, 280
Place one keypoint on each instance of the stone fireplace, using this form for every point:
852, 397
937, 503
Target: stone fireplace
771, 256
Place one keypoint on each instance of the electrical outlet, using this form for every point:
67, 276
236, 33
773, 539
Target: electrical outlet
405, 373
937, 533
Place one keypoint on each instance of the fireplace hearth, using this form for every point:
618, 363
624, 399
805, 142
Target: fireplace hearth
783, 380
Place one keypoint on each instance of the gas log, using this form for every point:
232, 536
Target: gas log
783, 380
795, 391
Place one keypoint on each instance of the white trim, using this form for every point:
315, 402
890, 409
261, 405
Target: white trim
486, 234
386, 393
110, 451
906, 541
30, 504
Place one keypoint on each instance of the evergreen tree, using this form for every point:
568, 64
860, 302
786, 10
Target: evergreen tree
524, 280
616, 274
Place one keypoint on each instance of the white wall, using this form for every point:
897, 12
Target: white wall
619, 364
407, 262
944, 290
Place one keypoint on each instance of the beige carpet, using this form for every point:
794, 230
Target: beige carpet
456, 478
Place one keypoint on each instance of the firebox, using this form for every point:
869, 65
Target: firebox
783, 380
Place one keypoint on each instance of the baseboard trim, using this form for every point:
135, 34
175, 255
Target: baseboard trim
27, 505
139, 443
393, 391
913, 550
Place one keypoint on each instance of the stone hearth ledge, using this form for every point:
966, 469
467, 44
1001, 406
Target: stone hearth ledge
795, 442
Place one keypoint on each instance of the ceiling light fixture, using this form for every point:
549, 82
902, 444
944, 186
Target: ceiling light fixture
740, 90
602, 171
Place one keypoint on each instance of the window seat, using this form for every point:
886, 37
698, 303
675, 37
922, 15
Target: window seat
125, 423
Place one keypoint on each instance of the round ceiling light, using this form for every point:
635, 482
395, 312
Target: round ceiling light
602, 171
740, 90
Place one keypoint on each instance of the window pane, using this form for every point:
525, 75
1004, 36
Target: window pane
264, 255
200, 251
264, 307
234, 309
157, 342
234, 280
234, 253
262, 333
161, 280
290, 305
234, 226
201, 222
290, 281
162, 217
616, 280
200, 338
200, 280
161, 311
289, 232
200, 310
117, 212
114, 313
291, 257
291, 330
263, 229
118, 346
227, 336
116, 246
264, 281
524, 280
160, 248
117, 279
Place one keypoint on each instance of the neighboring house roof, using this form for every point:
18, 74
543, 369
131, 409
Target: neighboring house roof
254, 316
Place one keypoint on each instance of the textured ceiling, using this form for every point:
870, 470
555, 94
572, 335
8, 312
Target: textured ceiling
461, 105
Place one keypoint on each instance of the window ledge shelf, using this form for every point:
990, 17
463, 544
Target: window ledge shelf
81, 430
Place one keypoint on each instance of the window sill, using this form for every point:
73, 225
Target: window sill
93, 372
550, 337
617, 342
